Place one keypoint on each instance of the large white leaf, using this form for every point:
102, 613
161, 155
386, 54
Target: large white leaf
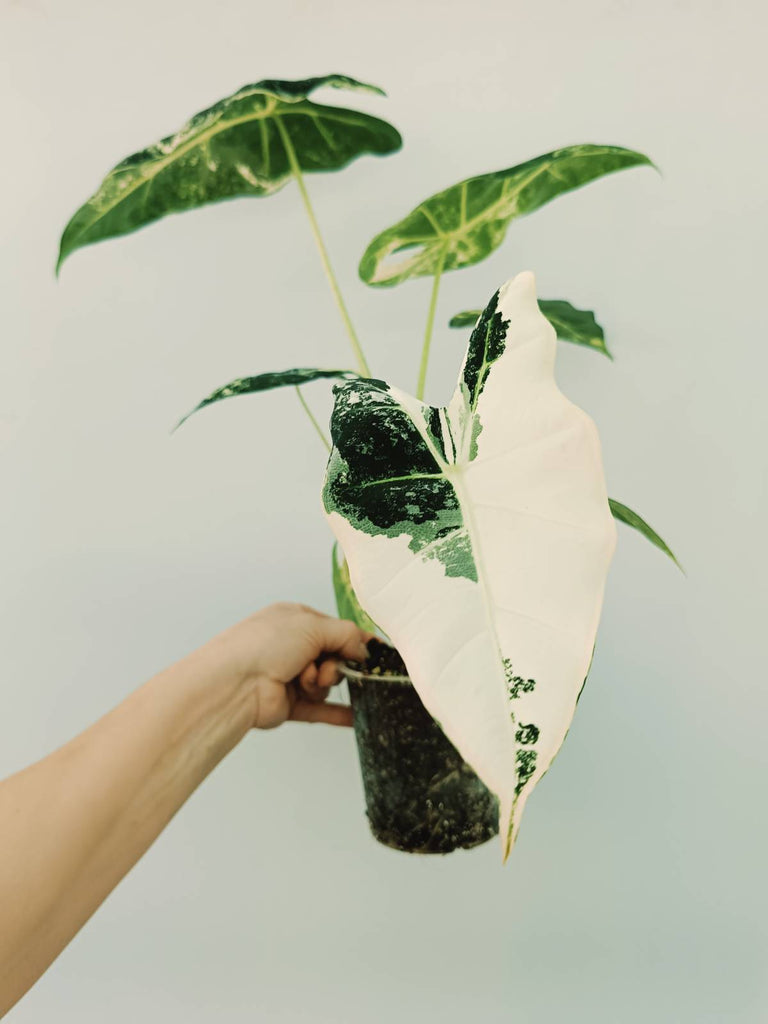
479, 537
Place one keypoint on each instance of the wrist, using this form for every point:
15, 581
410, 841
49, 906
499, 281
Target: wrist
209, 698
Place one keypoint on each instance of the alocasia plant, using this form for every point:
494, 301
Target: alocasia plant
477, 534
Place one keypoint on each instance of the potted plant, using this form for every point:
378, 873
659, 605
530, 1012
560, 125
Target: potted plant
477, 535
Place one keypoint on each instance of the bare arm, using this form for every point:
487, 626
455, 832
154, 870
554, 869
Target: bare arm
74, 823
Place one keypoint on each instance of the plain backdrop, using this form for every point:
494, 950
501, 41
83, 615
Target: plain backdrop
637, 890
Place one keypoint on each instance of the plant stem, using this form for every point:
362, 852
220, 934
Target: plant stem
325, 259
430, 324
312, 419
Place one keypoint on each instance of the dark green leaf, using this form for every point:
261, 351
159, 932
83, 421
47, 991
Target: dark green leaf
234, 148
467, 318
626, 515
265, 382
463, 224
347, 605
575, 325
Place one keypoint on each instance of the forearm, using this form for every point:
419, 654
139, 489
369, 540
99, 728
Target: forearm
74, 823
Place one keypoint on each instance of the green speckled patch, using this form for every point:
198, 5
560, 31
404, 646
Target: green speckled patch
387, 475
526, 766
516, 685
527, 734
486, 345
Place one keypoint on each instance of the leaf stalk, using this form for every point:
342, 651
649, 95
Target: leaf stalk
430, 325
313, 421
324, 257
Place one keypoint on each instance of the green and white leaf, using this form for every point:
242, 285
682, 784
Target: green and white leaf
625, 515
580, 327
575, 325
347, 605
463, 224
266, 382
478, 535
237, 147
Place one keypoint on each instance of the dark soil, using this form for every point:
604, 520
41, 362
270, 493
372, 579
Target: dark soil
421, 796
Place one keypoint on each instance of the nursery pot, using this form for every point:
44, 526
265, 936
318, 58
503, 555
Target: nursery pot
420, 795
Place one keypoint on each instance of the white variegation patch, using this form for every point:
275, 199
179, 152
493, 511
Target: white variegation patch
498, 660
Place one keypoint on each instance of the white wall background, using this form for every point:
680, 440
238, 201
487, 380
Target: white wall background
637, 890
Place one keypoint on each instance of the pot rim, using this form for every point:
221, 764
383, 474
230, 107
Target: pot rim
356, 674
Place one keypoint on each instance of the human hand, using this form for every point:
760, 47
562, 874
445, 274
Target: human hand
133, 769
290, 654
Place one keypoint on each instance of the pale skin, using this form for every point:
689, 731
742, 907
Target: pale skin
74, 823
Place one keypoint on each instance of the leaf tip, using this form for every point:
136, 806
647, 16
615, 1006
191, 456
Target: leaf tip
184, 419
647, 162
367, 270
508, 826
349, 82
670, 554
524, 279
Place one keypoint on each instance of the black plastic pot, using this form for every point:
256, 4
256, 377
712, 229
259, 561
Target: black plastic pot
421, 796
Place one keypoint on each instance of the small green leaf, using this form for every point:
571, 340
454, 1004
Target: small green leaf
463, 224
265, 382
575, 325
467, 318
233, 148
626, 515
347, 605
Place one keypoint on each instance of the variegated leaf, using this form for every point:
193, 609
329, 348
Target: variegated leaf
463, 224
478, 535
266, 382
575, 325
237, 147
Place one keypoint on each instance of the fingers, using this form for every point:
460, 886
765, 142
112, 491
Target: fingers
316, 679
340, 636
308, 678
331, 714
332, 635
328, 673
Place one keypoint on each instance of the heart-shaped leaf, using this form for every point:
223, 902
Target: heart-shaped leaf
237, 147
463, 224
575, 325
478, 535
266, 382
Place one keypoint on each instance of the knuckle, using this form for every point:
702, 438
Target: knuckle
285, 607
